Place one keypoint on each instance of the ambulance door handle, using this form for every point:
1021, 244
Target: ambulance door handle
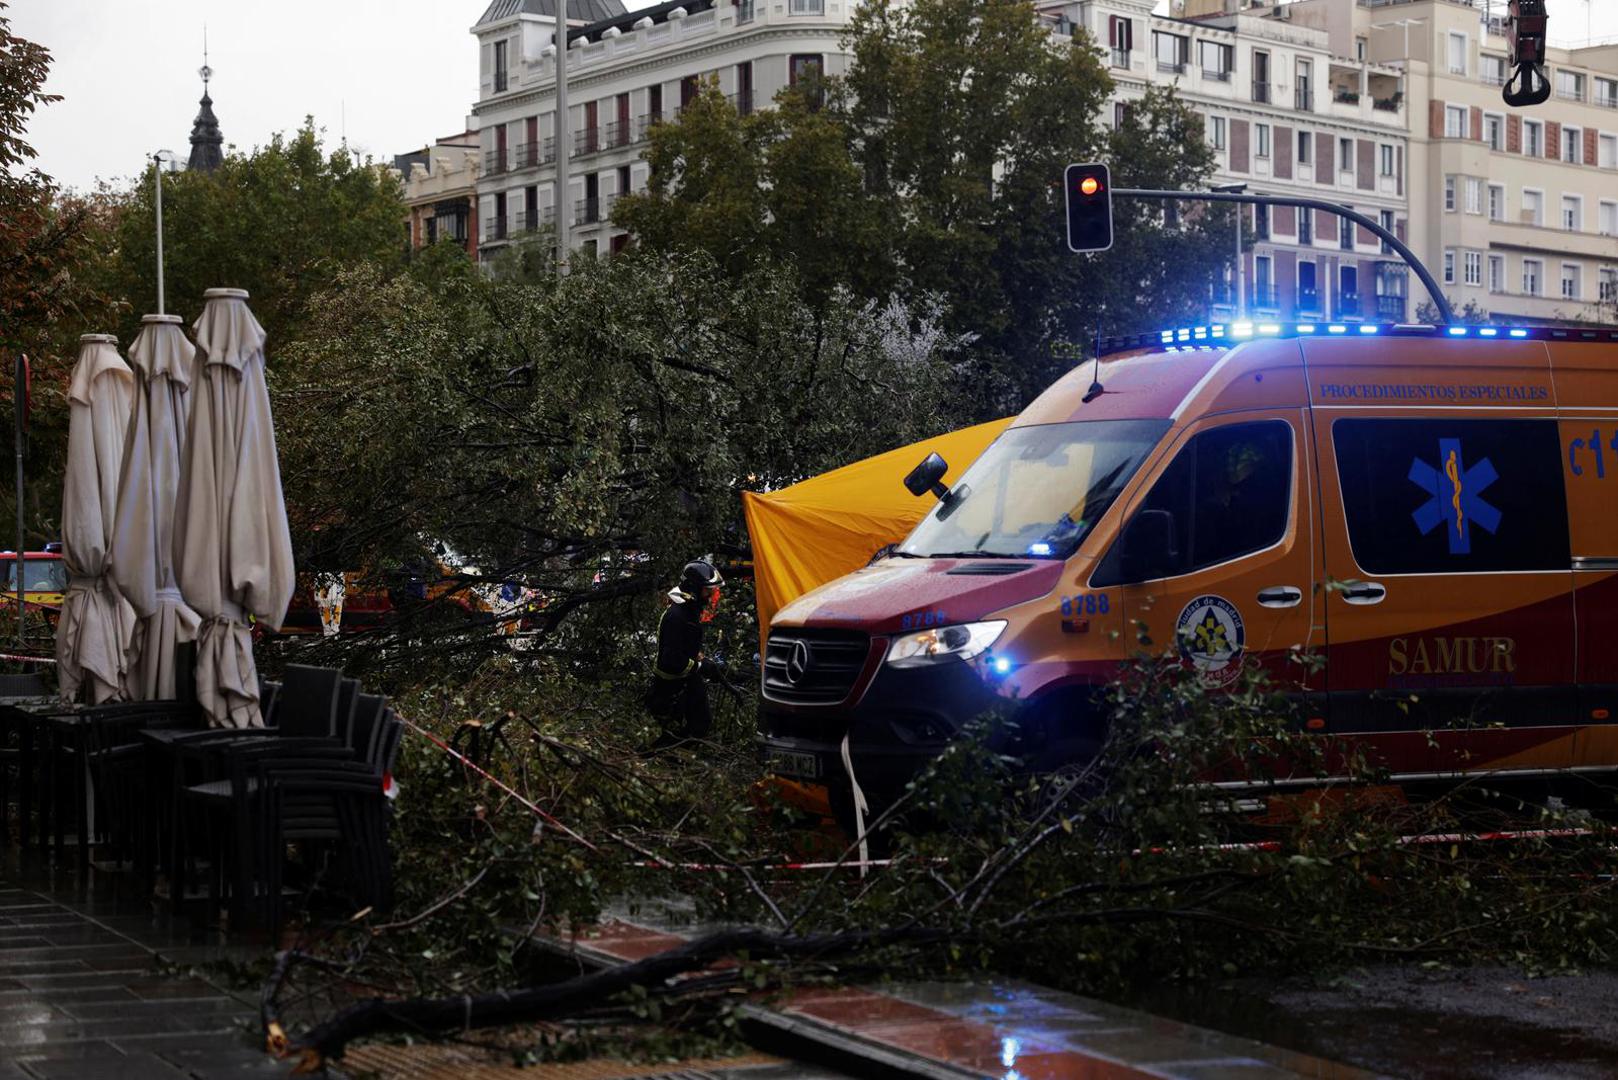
1280, 596
1364, 592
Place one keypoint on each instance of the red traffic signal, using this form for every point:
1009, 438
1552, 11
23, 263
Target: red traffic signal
1089, 207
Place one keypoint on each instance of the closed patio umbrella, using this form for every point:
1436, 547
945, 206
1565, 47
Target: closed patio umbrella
231, 541
95, 624
143, 532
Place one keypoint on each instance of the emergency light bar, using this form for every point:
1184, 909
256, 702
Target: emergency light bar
1226, 334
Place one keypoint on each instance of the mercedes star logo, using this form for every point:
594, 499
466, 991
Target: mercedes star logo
799, 662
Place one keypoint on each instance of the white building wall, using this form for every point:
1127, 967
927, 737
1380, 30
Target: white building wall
711, 42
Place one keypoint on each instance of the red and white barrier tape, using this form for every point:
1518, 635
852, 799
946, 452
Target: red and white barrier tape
497, 782
28, 659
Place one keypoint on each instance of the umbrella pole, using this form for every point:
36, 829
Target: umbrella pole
157, 184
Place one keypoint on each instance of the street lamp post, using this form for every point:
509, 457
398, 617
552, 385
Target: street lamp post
1241, 287
564, 141
157, 201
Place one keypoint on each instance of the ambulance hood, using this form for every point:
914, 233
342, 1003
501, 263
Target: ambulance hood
901, 594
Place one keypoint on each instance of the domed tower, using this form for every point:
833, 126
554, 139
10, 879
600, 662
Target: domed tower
207, 152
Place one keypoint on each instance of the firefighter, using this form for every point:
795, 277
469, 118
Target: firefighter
678, 698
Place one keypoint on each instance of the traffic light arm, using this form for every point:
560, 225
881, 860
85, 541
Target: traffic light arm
1387, 237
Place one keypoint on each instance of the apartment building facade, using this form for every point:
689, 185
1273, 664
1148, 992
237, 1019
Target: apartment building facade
626, 70
1516, 210
439, 187
1286, 115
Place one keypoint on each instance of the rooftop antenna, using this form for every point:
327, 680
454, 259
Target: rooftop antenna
343, 121
205, 71
1096, 389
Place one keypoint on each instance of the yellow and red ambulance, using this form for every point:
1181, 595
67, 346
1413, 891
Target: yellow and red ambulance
1433, 510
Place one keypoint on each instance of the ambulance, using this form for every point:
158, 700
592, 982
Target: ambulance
1433, 510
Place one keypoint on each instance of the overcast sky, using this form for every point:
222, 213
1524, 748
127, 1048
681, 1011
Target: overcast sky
393, 73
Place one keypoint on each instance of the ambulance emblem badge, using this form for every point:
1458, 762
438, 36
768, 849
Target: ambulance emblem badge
1212, 638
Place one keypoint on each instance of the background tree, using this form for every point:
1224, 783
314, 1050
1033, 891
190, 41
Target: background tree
280, 222
934, 168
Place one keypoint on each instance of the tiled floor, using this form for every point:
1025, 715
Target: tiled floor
82, 999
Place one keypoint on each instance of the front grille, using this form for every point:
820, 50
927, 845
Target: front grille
827, 666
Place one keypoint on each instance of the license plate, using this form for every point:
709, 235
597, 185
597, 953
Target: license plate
793, 763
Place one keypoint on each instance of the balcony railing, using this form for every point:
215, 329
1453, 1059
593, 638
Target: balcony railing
1348, 305
527, 223
1570, 95
1491, 79
531, 155
500, 79
1608, 101
1389, 104
742, 100
1308, 301
1171, 67
1347, 97
494, 228
617, 134
1303, 100
1263, 296
494, 163
587, 141
1120, 58
643, 124
1261, 92
587, 211
1390, 308
744, 11
1216, 74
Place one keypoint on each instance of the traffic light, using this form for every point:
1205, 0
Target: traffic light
1089, 208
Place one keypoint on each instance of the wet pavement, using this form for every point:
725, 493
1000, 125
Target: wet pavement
91, 992
1479, 1023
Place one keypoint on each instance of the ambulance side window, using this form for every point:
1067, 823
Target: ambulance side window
1446, 496
1229, 490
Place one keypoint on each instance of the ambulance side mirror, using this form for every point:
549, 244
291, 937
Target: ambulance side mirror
929, 476
1148, 546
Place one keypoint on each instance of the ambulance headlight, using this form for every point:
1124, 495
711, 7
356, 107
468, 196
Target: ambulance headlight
960, 642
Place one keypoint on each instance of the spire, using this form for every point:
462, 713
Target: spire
206, 142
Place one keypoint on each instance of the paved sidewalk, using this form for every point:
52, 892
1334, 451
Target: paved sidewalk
81, 1000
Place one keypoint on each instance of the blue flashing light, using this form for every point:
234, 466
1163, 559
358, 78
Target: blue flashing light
1488, 331
1336, 328
1185, 335
1269, 328
1518, 333
1000, 665
1457, 331
1218, 330
1306, 328
1367, 328
1241, 329
1200, 333
1167, 336
1039, 547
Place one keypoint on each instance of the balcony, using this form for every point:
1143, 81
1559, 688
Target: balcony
1608, 101
1347, 97
1171, 67
590, 211
742, 101
586, 141
1570, 95
527, 223
1491, 79
1389, 104
1263, 297
643, 125
494, 162
1216, 74
1261, 92
618, 134
1120, 58
1390, 308
744, 12
494, 228
531, 155
501, 80
1303, 100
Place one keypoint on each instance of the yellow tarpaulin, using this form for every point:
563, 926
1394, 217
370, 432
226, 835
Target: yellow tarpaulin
814, 532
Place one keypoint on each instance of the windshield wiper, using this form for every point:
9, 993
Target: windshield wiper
972, 555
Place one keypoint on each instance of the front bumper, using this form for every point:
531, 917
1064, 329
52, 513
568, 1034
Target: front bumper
904, 719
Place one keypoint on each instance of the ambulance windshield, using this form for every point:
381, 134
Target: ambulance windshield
1037, 491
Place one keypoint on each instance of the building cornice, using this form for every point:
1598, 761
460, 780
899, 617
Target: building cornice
675, 57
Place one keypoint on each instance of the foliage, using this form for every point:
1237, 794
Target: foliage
605, 422
933, 166
281, 221
1101, 879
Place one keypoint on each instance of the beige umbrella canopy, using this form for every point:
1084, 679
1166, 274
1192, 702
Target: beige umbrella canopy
143, 532
95, 625
231, 540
